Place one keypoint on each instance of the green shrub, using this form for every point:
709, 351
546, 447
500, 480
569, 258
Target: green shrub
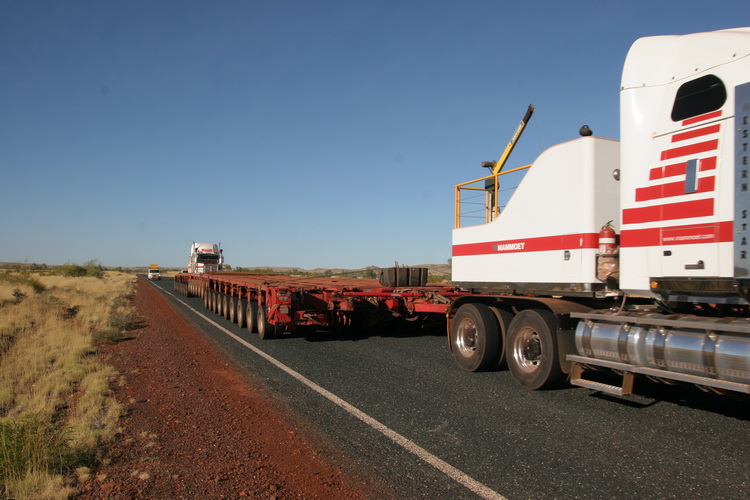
109, 336
90, 268
71, 270
95, 272
32, 444
36, 285
123, 320
18, 295
6, 342
121, 302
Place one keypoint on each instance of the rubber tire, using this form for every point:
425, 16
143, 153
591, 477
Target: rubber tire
205, 301
265, 329
241, 312
232, 313
252, 316
475, 338
534, 329
225, 301
503, 319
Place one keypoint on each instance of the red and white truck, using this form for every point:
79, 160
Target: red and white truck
205, 258
629, 256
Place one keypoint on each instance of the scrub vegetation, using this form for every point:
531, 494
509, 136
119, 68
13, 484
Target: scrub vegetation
56, 405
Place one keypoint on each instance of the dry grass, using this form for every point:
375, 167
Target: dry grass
49, 328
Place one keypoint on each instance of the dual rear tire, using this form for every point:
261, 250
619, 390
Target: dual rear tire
476, 339
533, 357
486, 338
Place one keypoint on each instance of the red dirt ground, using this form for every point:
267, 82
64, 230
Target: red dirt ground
195, 428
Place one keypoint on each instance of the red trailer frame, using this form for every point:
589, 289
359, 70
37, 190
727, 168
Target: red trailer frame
272, 304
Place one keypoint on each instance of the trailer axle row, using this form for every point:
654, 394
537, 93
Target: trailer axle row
274, 304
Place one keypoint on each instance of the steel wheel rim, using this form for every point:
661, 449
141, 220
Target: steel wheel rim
466, 338
527, 350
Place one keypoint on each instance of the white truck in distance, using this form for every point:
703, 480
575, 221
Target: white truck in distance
153, 272
205, 258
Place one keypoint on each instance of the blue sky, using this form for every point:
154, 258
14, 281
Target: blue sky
296, 133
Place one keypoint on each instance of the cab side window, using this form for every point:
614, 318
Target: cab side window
699, 96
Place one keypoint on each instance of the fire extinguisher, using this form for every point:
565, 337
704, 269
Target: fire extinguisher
607, 262
607, 241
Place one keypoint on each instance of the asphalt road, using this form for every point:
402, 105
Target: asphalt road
421, 428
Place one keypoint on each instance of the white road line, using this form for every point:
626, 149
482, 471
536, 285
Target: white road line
444, 467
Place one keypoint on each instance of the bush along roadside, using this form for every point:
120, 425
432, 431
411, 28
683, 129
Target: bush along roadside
56, 405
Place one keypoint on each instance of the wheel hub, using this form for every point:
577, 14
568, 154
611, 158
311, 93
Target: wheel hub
466, 338
527, 350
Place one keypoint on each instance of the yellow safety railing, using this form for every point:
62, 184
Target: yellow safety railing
490, 198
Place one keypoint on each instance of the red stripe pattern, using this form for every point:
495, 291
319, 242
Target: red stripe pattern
702, 118
721, 232
702, 146
542, 244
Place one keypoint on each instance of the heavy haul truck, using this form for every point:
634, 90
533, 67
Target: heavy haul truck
628, 257
205, 258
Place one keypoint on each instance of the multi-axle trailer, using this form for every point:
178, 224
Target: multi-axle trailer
274, 304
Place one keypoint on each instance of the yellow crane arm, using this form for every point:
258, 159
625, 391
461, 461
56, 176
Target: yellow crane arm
509, 148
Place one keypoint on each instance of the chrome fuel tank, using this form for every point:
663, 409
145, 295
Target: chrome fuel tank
692, 345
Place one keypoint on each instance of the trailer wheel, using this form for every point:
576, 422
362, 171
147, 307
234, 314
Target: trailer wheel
232, 304
226, 306
252, 316
205, 300
532, 349
265, 329
240, 314
475, 338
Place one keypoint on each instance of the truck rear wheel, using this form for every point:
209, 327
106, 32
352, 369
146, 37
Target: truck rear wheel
532, 353
503, 319
475, 338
